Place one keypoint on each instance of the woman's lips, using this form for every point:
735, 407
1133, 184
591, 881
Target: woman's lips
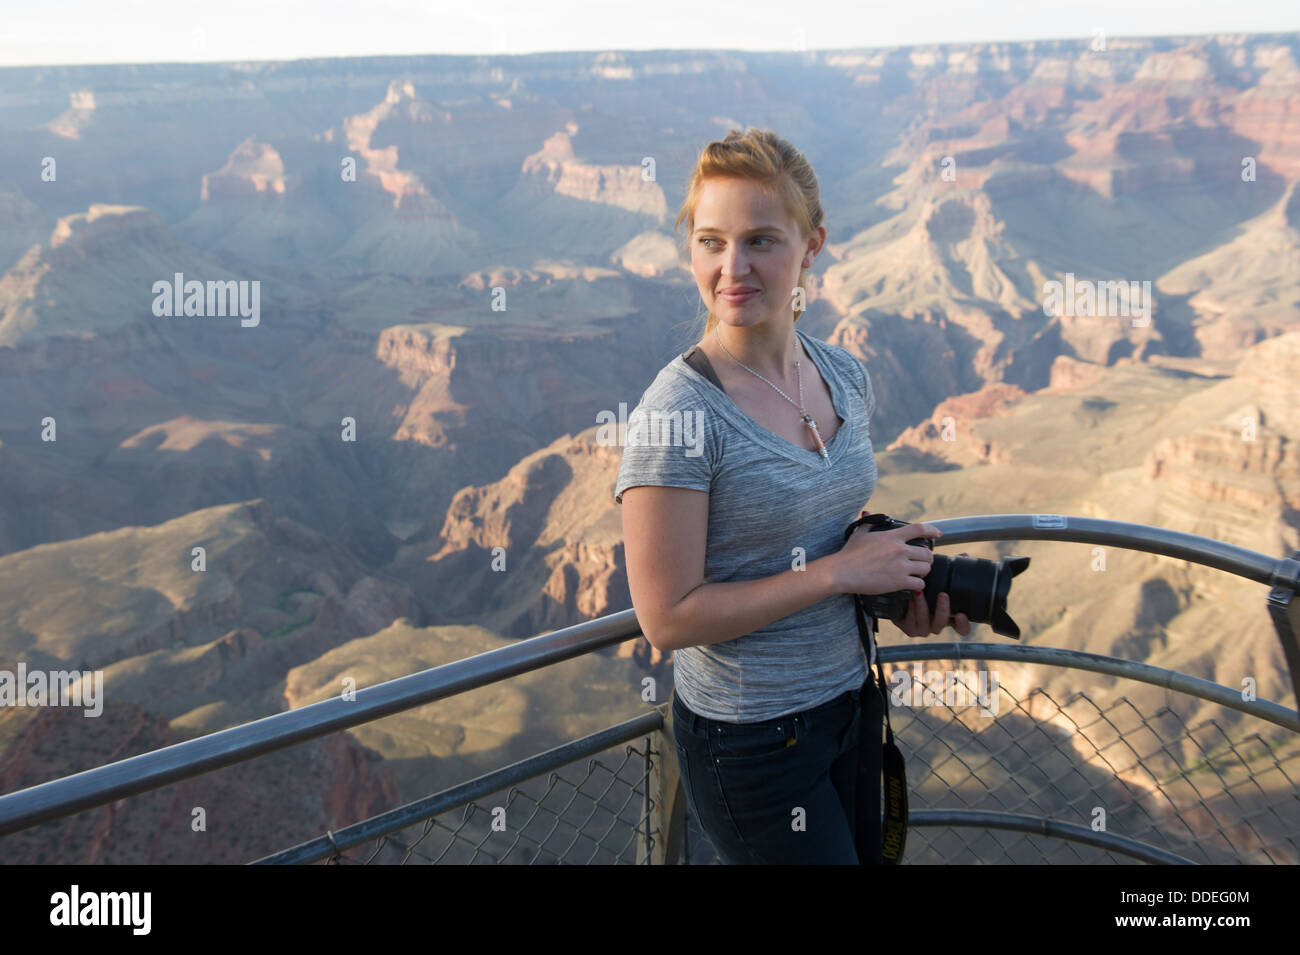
737, 298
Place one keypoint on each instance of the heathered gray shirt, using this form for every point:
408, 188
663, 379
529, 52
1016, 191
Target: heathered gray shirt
767, 497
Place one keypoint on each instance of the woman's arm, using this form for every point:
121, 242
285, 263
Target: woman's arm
665, 532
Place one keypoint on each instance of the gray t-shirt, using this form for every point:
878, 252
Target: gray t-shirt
767, 497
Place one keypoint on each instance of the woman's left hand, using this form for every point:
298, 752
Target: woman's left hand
917, 623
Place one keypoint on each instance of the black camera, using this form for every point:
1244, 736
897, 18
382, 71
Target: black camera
978, 588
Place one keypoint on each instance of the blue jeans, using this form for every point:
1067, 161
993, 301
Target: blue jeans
778, 791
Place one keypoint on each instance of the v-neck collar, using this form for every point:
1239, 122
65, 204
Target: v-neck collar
770, 439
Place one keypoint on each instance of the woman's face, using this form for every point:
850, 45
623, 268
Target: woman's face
744, 239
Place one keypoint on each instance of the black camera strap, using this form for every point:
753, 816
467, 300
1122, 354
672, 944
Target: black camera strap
884, 844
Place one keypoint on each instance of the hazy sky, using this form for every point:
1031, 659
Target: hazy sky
154, 31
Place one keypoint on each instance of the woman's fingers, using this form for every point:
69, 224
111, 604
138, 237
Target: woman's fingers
943, 617
921, 611
962, 622
909, 622
940, 614
917, 622
909, 619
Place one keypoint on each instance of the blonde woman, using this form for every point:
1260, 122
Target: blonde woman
745, 460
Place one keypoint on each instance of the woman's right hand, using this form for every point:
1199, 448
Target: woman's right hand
881, 562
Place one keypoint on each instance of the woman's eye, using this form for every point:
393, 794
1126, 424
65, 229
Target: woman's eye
761, 238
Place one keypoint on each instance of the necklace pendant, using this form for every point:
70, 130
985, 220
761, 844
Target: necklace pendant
821, 445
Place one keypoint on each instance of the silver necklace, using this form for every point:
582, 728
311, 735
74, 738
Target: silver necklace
803, 413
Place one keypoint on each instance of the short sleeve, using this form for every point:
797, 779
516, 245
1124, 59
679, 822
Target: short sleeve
862, 378
666, 449
868, 393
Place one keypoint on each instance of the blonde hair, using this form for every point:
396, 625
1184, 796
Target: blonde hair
771, 162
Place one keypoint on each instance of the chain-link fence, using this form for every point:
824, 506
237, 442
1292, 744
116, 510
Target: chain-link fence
980, 761
1079, 776
595, 812
596, 800
1204, 791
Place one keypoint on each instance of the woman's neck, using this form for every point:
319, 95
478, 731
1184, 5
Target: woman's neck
770, 353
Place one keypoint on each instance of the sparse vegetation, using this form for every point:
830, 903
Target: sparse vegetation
1097, 405
299, 619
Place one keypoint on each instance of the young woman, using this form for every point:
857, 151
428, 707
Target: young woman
745, 460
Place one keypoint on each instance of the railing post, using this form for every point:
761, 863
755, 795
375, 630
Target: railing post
665, 787
1284, 608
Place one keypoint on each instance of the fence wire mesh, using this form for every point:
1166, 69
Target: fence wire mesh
597, 811
1213, 791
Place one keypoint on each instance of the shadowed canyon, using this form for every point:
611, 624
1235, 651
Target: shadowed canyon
385, 439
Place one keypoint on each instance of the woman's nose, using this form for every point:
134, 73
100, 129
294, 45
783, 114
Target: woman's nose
734, 264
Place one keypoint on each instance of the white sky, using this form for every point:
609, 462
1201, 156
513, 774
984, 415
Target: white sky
36, 32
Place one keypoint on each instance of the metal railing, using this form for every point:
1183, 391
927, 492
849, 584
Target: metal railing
1080, 772
645, 806
608, 815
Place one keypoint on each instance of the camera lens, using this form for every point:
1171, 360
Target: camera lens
977, 588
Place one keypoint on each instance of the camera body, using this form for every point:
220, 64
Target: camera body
893, 606
978, 588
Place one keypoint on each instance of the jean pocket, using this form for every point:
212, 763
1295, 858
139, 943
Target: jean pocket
748, 746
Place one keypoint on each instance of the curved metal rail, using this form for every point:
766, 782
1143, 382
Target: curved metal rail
109, 783
1096, 663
